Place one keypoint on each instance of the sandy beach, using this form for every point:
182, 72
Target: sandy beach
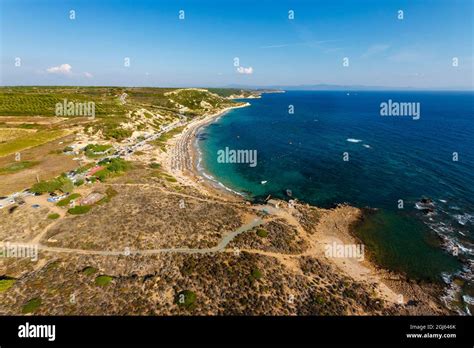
182, 157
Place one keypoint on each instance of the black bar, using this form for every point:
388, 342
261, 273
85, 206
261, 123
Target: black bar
242, 330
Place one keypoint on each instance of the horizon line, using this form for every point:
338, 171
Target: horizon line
274, 87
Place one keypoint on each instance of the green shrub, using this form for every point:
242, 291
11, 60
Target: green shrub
170, 179
79, 209
85, 168
89, 270
96, 150
117, 133
320, 300
118, 165
112, 166
31, 306
103, 280
256, 274
17, 166
262, 233
53, 216
186, 299
61, 183
110, 192
79, 182
102, 174
45, 186
6, 284
66, 185
65, 201
155, 165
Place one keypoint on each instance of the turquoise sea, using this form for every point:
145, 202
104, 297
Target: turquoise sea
392, 164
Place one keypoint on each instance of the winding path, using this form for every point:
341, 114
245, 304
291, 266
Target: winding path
218, 248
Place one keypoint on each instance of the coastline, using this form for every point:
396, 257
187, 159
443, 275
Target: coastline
338, 226
183, 158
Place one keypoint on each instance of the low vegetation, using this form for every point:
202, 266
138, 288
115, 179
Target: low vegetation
155, 165
65, 201
62, 183
186, 299
262, 233
162, 175
89, 271
103, 280
96, 150
228, 92
163, 139
6, 283
79, 209
8, 134
31, 306
109, 194
84, 168
198, 101
17, 167
30, 140
113, 166
256, 274
79, 182
32, 101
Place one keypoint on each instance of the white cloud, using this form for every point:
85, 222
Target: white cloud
375, 49
244, 70
88, 75
63, 69
406, 56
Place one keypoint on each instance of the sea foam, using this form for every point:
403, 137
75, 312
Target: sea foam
352, 140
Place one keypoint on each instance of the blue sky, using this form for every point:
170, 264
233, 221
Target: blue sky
416, 52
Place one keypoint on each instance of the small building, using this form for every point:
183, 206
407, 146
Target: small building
92, 198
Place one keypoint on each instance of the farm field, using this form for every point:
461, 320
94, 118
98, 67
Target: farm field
14, 120
10, 134
43, 161
41, 101
29, 140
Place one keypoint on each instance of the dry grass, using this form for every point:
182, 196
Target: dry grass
222, 284
23, 224
30, 120
29, 140
146, 218
49, 166
9, 134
